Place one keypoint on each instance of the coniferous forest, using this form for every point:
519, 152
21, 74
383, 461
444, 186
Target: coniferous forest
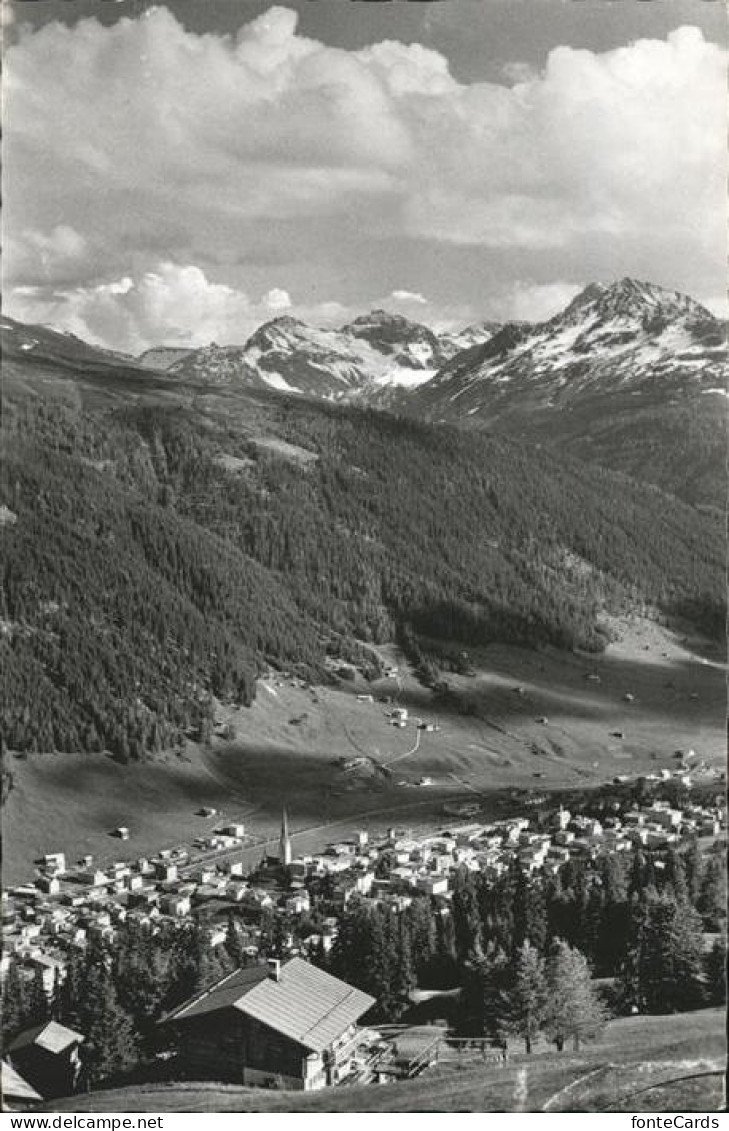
159, 552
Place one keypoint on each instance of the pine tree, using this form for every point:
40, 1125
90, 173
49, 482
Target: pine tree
573, 1008
466, 917
716, 981
694, 871
613, 876
666, 960
55, 1002
210, 965
444, 964
381, 960
403, 976
268, 930
611, 944
591, 933
676, 875
636, 880
445, 936
142, 975
318, 955
530, 912
110, 1045
15, 1003
490, 994
528, 997
351, 955
66, 1005
233, 943
38, 1009
422, 930
711, 903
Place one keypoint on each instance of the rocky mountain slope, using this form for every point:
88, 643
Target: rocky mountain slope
375, 350
629, 375
453, 341
629, 336
163, 357
42, 344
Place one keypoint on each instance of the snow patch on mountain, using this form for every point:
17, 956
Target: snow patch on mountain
629, 336
374, 352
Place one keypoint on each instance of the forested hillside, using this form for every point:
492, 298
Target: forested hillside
157, 554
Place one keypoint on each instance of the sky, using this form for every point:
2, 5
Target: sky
180, 172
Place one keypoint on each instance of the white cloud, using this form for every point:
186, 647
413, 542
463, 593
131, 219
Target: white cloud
277, 300
409, 297
170, 305
536, 302
628, 144
175, 305
51, 256
142, 143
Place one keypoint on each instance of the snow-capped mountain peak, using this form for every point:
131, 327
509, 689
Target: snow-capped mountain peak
628, 337
630, 299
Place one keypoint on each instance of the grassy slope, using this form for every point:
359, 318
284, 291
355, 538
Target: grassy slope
633, 1054
71, 802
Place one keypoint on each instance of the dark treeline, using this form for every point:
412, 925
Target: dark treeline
141, 577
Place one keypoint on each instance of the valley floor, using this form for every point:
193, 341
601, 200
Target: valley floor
538, 720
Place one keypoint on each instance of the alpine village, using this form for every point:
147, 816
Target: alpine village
364, 676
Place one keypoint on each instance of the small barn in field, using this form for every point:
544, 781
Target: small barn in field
286, 1024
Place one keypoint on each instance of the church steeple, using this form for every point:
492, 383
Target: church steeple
284, 843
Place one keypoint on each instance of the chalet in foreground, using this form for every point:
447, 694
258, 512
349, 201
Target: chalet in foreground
47, 1058
287, 1025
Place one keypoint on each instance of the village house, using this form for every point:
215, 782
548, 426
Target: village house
52, 970
432, 884
175, 905
92, 877
288, 1024
165, 870
363, 882
50, 885
233, 868
298, 904
236, 831
55, 862
666, 818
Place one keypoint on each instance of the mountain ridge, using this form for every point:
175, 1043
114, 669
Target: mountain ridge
628, 375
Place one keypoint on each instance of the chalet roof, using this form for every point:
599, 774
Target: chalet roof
304, 1004
222, 995
14, 1087
50, 1036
